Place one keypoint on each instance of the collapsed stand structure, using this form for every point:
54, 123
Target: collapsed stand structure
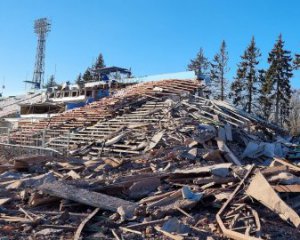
153, 160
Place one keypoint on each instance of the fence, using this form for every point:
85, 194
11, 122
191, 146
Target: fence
32, 145
40, 140
17, 150
4, 134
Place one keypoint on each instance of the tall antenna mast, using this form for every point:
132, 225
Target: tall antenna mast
41, 27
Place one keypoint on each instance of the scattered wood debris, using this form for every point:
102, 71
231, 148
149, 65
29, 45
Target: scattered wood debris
153, 161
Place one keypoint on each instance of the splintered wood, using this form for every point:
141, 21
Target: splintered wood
261, 190
58, 189
156, 160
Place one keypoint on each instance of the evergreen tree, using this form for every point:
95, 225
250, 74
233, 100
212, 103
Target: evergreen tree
244, 89
87, 76
217, 74
200, 64
237, 89
79, 80
51, 82
297, 61
265, 103
278, 77
99, 62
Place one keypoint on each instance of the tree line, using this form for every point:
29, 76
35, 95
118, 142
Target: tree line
88, 75
264, 92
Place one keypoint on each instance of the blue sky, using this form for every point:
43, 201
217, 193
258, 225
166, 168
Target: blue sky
151, 37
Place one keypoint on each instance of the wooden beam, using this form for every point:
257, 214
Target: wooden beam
99, 200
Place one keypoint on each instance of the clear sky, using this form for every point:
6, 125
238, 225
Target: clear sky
150, 36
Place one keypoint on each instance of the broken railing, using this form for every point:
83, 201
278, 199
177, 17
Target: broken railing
18, 149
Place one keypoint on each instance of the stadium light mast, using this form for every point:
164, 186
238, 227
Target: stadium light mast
41, 27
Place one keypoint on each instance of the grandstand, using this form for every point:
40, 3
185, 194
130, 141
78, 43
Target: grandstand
10, 106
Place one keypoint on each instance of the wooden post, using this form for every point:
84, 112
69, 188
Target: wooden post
68, 147
8, 135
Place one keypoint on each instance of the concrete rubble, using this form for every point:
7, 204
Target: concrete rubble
153, 161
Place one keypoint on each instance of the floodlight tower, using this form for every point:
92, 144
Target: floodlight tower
41, 27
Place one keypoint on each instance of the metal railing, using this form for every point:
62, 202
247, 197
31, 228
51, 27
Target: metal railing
4, 134
37, 141
22, 149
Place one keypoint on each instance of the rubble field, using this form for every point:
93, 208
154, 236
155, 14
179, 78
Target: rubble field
153, 161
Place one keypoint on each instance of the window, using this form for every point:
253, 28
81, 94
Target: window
89, 93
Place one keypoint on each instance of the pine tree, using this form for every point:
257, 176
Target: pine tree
278, 76
297, 61
87, 76
200, 64
99, 62
237, 89
244, 89
217, 74
79, 80
265, 103
51, 82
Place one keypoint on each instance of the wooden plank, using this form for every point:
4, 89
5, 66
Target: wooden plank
169, 235
261, 190
228, 153
86, 197
278, 161
4, 200
287, 188
154, 141
125, 229
116, 150
227, 232
228, 132
222, 134
145, 224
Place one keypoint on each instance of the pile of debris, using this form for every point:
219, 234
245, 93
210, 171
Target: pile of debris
167, 164
29, 133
